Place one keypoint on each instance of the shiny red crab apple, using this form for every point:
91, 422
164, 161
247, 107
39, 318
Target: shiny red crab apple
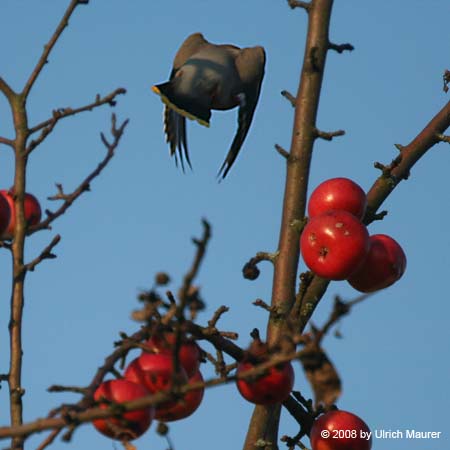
340, 430
32, 212
152, 372
336, 245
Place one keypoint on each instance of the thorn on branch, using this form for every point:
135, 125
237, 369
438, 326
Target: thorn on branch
379, 216
340, 48
284, 153
299, 4
328, 136
288, 96
443, 138
399, 147
385, 170
262, 304
217, 315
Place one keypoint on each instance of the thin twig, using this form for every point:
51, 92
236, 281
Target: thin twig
291, 98
6, 89
48, 125
443, 138
6, 141
193, 271
328, 136
48, 440
45, 254
283, 152
299, 4
84, 186
49, 46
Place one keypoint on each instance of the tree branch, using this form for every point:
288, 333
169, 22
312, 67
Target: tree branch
264, 422
299, 4
328, 136
6, 141
48, 125
289, 97
6, 90
84, 186
45, 254
201, 249
49, 46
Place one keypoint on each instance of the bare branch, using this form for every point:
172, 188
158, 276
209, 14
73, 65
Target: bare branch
45, 254
49, 46
328, 136
201, 249
6, 89
217, 315
299, 4
340, 309
85, 184
443, 138
284, 153
49, 440
6, 141
48, 125
288, 96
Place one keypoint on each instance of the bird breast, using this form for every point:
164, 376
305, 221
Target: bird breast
211, 74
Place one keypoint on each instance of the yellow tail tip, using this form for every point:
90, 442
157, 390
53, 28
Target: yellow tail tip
179, 110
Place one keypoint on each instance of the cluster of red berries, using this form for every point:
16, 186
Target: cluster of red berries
8, 212
153, 371
336, 245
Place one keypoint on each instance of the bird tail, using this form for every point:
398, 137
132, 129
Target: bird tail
181, 105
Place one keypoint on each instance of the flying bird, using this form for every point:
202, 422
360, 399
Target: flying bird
208, 76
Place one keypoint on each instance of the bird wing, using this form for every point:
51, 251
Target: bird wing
250, 64
175, 123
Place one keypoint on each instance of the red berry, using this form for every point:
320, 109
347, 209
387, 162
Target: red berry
189, 354
133, 423
338, 194
32, 210
5, 213
334, 244
340, 430
185, 406
268, 389
154, 371
385, 263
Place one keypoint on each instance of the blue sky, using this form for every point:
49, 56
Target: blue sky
140, 215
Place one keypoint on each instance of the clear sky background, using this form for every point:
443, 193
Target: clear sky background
141, 213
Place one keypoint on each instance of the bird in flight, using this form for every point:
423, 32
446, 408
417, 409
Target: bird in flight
208, 76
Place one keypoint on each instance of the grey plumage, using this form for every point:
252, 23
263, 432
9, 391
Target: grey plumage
208, 76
